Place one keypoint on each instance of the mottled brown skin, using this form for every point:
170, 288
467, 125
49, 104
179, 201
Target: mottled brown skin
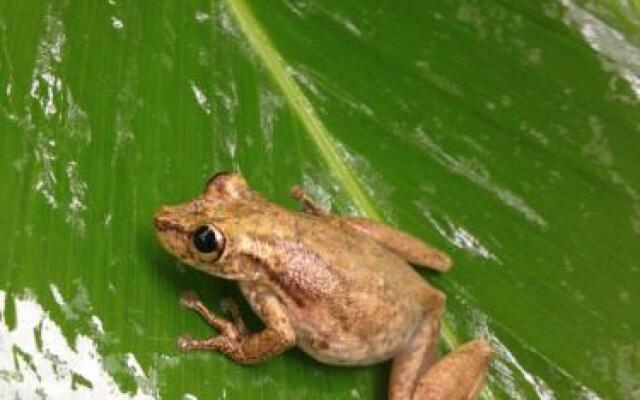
340, 288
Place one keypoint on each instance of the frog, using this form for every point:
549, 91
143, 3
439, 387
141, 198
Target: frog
341, 288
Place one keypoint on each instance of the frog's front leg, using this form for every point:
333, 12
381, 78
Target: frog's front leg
235, 341
406, 246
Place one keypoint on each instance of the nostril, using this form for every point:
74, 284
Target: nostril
160, 220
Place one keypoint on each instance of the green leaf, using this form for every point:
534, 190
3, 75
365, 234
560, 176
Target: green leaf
505, 133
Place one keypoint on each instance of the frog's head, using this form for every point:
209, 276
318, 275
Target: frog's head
198, 231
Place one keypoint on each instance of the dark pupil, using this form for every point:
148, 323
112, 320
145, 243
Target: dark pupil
205, 240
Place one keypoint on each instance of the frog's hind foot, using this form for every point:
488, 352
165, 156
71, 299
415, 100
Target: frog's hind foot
459, 375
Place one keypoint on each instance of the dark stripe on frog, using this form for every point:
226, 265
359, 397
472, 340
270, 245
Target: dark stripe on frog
166, 225
277, 278
301, 273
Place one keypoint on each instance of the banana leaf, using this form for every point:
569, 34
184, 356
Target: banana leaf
505, 133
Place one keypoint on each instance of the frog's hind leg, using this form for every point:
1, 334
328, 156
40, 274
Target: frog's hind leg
420, 353
416, 373
406, 246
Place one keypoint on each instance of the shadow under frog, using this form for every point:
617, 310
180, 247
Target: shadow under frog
339, 288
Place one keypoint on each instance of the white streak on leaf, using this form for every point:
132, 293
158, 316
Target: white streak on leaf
457, 235
478, 175
49, 370
201, 98
77, 203
618, 54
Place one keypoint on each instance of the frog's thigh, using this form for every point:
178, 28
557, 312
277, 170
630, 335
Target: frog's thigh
459, 375
406, 246
419, 354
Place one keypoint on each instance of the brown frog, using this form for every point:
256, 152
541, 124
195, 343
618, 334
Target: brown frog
340, 288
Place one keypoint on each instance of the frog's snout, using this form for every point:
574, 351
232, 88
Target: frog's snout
170, 230
164, 219
160, 220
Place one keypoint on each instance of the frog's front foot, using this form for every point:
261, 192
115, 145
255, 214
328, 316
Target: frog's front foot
232, 333
230, 306
233, 330
184, 342
234, 340
225, 344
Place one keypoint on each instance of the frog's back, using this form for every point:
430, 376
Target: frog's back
351, 301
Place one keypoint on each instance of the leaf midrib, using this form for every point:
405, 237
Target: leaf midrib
320, 135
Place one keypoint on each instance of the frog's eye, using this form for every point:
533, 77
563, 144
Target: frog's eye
207, 239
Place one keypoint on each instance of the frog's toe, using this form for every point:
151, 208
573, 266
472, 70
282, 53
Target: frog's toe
184, 342
229, 305
189, 299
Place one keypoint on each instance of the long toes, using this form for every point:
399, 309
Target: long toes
189, 299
